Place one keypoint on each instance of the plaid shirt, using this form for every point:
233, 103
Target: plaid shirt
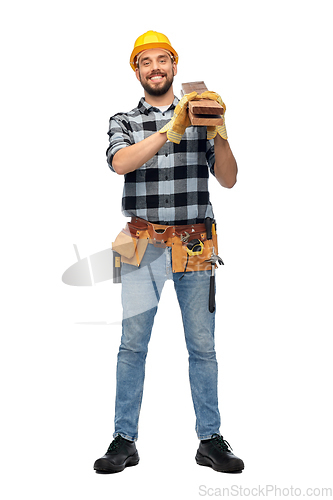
172, 187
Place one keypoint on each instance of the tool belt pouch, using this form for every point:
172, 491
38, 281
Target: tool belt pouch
194, 262
131, 249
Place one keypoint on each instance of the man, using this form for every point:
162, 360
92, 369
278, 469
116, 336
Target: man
166, 164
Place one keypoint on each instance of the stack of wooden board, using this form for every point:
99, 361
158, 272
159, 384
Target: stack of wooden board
204, 111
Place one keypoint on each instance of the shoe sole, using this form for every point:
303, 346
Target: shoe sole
207, 462
130, 462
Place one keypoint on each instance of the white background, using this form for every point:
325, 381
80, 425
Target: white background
65, 71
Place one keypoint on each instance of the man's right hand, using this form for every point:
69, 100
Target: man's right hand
175, 128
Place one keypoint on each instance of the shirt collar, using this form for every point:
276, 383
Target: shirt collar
146, 108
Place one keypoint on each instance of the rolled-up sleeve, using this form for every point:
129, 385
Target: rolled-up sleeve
119, 137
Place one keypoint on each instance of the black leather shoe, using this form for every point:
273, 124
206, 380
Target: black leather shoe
215, 453
121, 453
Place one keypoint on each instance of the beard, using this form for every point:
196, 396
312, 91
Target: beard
157, 90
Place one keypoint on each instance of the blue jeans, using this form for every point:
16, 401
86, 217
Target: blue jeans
141, 291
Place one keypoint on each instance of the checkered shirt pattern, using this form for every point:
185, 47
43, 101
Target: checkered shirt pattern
172, 187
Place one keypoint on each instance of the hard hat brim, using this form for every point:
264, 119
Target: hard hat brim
151, 45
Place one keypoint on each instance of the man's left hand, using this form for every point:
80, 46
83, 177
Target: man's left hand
219, 129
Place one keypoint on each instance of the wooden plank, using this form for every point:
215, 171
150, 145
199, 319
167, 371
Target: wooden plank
205, 107
203, 112
205, 120
189, 87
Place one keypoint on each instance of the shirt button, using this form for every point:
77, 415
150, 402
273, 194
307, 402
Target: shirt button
166, 154
166, 177
166, 200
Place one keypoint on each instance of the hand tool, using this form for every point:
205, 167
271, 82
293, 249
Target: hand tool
210, 227
116, 267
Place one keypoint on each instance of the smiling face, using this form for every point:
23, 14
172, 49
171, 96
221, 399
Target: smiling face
155, 71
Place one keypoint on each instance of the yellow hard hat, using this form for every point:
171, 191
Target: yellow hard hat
151, 40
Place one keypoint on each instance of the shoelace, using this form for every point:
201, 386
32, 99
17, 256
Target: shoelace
115, 444
221, 443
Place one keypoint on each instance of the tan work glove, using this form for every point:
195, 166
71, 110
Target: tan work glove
175, 128
219, 129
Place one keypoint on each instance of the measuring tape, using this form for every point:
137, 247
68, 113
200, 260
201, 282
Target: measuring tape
194, 247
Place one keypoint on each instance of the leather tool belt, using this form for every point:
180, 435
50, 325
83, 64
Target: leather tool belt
131, 243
